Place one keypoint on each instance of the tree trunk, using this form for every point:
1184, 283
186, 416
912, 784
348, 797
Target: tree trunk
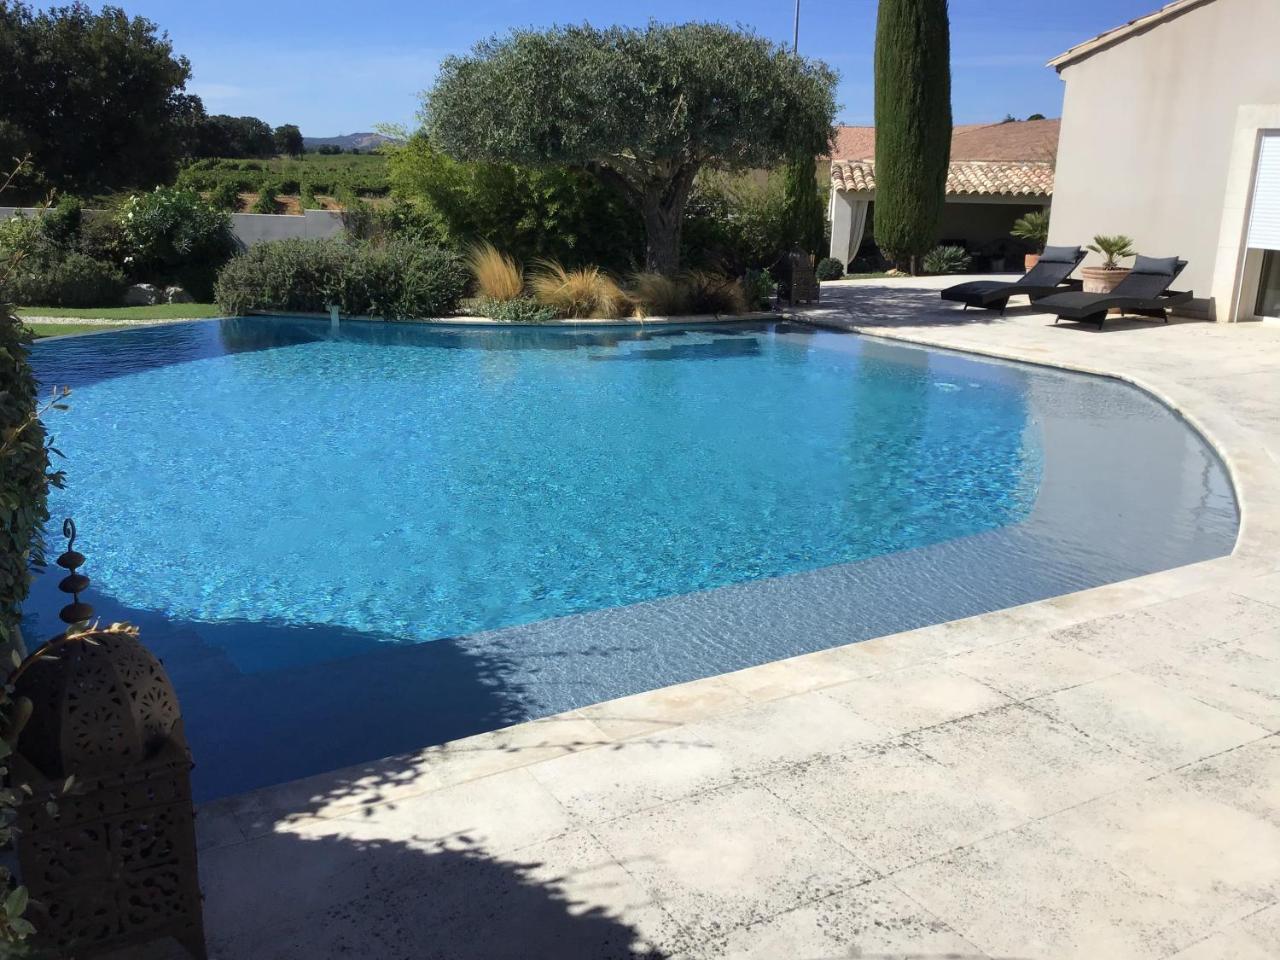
662, 224
660, 197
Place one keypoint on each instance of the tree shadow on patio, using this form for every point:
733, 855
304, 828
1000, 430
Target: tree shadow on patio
299, 897
889, 306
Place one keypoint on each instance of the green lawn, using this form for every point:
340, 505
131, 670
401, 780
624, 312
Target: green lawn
42, 330
161, 311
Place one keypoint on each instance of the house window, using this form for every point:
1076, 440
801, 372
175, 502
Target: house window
1269, 286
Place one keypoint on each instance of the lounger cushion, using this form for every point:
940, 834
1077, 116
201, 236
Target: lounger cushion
974, 288
1060, 255
1163, 266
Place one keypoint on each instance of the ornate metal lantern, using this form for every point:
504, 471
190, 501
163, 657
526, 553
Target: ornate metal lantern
113, 859
803, 285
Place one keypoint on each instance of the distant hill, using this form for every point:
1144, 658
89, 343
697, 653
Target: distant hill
361, 141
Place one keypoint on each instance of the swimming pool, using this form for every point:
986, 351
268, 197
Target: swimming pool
346, 544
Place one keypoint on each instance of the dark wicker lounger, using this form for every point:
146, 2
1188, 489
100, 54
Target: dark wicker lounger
1144, 292
1056, 264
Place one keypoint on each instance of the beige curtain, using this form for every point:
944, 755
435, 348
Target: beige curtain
848, 222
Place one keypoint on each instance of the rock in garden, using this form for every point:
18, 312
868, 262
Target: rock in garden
141, 295
177, 295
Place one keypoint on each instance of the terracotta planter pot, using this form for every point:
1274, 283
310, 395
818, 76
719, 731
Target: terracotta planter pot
1098, 280
1030, 260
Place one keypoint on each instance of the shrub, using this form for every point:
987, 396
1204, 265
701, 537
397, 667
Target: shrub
307, 196
174, 235
74, 280
757, 288
45, 269
395, 280
583, 292
829, 268
266, 202
550, 213
409, 221
656, 295
401, 280
516, 310
735, 223
102, 238
344, 195
22, 241
25, 477
946, 260
225, 196
713, 293
286, 275
61, 224
1034, 228
497, 276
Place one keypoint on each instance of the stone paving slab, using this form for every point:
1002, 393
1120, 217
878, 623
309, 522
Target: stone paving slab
1093, 776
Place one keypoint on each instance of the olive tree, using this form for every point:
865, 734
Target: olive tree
641, 109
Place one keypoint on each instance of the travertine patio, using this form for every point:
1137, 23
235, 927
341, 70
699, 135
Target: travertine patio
1092, 776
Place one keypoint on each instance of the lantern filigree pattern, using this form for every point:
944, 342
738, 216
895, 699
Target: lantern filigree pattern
112, 862
99, 699
804, 281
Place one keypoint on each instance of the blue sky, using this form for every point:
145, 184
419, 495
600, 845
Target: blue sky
341, 66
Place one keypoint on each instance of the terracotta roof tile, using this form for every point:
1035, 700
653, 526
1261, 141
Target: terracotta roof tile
973, 178
854, 143
1030, 140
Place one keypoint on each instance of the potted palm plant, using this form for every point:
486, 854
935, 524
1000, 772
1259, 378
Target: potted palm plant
1105, 278
1034, 228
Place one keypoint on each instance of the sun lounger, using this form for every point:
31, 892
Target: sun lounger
1144, 292
1055, 266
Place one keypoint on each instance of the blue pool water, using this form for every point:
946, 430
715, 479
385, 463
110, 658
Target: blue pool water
398, 514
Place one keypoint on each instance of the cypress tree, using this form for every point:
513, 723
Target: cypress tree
803, 212
913, 125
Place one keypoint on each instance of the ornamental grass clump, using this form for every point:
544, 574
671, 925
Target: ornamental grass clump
714, 293
580, 293
497, 276
655, 295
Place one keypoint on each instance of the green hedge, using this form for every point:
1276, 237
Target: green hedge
24, 470
398, 279
75, 280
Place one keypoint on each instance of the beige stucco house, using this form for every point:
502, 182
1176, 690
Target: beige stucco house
1171, 135
998, 172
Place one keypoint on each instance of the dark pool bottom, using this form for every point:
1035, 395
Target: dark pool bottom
266, 702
